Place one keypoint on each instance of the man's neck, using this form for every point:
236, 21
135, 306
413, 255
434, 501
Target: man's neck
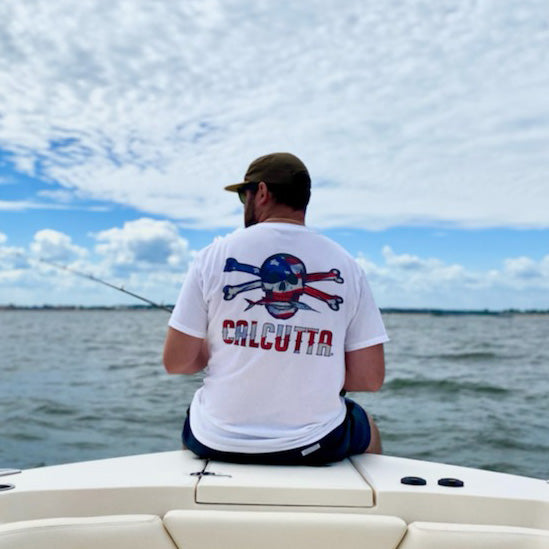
283, 215
284, 220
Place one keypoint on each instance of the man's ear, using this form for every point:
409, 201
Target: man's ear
263, 194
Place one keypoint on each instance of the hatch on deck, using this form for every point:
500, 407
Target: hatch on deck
336, 485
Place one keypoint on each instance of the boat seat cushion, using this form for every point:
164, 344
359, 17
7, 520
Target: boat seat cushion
116, 532
434, 535
282, 530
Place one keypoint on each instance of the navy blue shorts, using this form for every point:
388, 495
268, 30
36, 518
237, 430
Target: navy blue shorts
350, 438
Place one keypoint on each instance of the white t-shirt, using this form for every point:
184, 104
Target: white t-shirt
279, 305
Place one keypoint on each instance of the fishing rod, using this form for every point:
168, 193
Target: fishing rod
104, 282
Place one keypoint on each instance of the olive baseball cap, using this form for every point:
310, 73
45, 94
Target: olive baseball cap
275, 168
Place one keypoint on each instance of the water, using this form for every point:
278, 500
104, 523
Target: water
79, 385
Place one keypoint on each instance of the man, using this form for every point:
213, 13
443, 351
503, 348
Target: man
284, 322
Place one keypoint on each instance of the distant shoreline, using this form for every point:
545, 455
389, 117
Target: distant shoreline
384, 310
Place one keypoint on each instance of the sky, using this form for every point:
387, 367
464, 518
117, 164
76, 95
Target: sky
424, 126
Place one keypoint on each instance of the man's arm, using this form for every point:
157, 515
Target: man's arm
184, 354
365, 369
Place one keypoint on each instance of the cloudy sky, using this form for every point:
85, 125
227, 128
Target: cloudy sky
425, 126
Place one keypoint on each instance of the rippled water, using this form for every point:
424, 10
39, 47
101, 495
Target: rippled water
78, 385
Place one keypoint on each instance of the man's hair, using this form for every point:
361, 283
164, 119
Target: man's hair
296, 195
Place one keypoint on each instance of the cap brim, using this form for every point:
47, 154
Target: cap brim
234, 188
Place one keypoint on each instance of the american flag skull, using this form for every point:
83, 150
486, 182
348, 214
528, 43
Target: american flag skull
283, 279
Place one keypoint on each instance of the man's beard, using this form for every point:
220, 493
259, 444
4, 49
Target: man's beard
249, 214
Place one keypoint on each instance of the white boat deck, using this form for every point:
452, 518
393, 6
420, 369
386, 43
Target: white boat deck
194, 500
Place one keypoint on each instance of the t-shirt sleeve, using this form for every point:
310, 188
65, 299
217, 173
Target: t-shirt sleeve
366, 327
190, 314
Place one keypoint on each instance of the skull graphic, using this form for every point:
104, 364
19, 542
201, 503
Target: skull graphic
284, 279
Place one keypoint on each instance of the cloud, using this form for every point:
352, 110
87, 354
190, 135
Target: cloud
423, 114
406, 280
52, 245
61, 196
144, 243
23, 205
12, 258
15, 271
145, 256
524, 270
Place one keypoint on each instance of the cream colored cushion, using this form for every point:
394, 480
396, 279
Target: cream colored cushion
434, 535
116, 532
282, 530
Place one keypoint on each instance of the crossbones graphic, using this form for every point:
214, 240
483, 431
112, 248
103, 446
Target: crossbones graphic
284, 280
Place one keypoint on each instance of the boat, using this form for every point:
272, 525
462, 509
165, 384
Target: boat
172, 500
